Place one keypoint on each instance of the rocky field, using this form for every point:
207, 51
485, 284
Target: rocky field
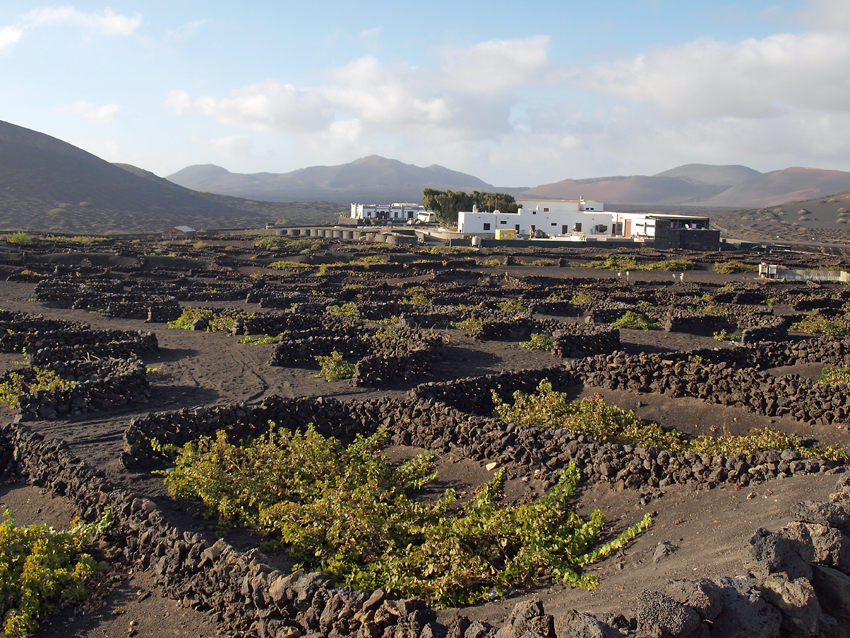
146, 343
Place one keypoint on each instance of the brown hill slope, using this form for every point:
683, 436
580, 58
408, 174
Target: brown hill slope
637, 189
729, 175
49, 185
778, 187
372, 179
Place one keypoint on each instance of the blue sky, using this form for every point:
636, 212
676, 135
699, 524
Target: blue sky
514, 93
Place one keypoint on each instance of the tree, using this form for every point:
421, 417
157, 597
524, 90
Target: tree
447, 204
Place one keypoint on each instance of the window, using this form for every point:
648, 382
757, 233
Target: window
545, 210
577, 228
554, 224
503, 222
486, 226
516, 228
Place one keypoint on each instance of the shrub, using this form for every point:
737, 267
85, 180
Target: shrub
334, 367
538, 341
288, 265
16, 385
732, 267
581, 299
347, 511
607, 423
722, 335
470, 324
835, 374
635, 321
217, 321
345, 310
815, 323
259, 341
513, 307
543, 262
19, 239
42, 567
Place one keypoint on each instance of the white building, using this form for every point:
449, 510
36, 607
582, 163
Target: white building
552, 217
396, 212
644, 225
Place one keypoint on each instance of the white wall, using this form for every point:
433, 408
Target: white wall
550, 222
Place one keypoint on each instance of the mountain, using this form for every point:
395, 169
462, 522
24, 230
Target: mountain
637, 189
777, 187
701, 185
731, 175
372, 179
49, 185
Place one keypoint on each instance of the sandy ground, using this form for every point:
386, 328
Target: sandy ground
709, 527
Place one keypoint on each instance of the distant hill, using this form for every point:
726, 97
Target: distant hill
731, 175
701, 185
372, 180
49, 185
777, 187
638, 189
824, 218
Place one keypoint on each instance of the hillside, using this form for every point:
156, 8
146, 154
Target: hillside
637, 189
777, 187
372, 179
823, 218
49, 185
731, 175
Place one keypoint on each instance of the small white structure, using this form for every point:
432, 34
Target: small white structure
396, 212
552, 217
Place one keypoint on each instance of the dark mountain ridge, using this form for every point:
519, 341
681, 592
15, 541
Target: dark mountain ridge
48, 184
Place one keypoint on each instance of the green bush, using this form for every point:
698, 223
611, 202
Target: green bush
513, 307
635, 321
288, 265
732, 267
581, 299
722, 335
815, 323
470, 324
347, 511
19, 239
259, 341
40, 568
609, 423
835, 374
16, 385
345, 310
538, 341
334, 367
218, 321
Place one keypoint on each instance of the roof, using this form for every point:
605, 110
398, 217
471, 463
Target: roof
185, 229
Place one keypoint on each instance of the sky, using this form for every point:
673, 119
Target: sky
515, 93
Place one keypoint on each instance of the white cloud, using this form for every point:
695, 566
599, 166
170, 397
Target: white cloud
267, 106
753, 78
364, 98
9, 37
105, 22
104, 114
496, 66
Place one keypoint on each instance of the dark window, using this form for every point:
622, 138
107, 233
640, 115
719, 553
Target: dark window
517, 227
503, 222
554, 224
545, 210
486, 226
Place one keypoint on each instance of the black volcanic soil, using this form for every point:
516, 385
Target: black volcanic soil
709, 527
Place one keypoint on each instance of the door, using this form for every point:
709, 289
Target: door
627, 228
